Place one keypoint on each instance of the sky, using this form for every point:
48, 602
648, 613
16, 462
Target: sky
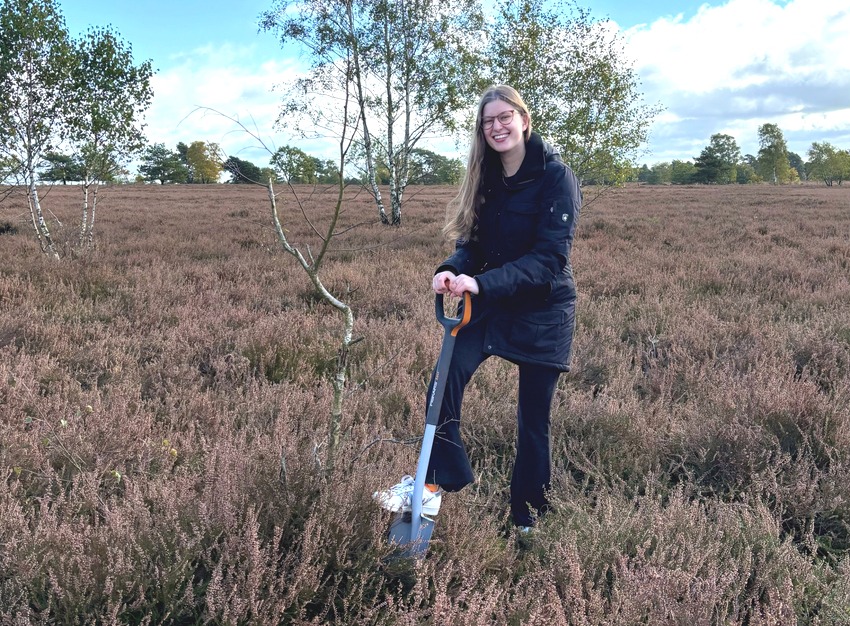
714, 67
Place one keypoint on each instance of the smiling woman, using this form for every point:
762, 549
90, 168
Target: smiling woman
514, 223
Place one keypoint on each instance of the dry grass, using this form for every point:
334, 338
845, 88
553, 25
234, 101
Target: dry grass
150, 390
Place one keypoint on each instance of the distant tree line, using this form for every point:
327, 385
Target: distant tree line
203, 163
721, 163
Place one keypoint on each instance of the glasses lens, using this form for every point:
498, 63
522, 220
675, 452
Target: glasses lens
504, 119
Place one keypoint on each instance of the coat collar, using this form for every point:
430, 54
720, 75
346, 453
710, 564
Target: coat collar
537, 154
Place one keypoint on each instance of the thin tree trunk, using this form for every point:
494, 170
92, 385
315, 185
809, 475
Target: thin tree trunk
391, 156
90, 235
41, 230
312, 270
85, 221
361, 101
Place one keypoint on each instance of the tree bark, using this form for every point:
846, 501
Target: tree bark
42, 232
312, 270
361, 102
85, 220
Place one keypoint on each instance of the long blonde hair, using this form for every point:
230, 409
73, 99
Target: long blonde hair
463, 209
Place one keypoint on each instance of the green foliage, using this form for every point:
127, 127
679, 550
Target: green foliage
773, 155
61, 168
163, 165
430, 168
582, 92
111, 95
718, 161
828, 163
296, 166
411, 67
796, 163
36, 63
659, 174
678, 173
747, 174
242, 172
682, 172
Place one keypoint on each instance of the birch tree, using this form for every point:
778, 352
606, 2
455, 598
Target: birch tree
312, 264
312, 260
35, 78
330, 34
581, 90
409, 65
110, 96
424, 55
773, 162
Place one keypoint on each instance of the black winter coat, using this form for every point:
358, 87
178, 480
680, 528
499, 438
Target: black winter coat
519, 252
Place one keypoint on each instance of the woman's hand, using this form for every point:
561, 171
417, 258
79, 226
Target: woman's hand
447, 282
442, 282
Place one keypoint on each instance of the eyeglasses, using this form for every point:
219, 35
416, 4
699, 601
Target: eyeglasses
504, 119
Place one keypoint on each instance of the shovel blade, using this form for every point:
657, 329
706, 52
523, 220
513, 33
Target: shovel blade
401, 529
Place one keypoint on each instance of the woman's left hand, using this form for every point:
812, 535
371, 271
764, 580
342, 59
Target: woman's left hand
462, 284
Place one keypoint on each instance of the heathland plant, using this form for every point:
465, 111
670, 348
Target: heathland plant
701, 440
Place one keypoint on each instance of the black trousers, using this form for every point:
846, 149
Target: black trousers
449, 465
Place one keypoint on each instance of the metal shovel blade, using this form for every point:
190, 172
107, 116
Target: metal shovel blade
411, 531
401, 534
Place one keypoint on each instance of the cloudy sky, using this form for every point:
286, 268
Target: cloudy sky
715, 67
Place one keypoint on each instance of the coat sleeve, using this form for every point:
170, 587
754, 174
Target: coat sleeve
557, 215
467, 259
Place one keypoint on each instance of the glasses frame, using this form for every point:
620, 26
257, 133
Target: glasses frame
488, 122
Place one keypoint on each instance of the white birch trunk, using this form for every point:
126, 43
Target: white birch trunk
41, 230
367, 138
90, 235
339, 378
84, 222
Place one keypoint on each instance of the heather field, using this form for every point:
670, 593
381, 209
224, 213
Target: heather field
164, 408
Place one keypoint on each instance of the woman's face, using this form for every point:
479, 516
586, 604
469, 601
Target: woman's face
503, 127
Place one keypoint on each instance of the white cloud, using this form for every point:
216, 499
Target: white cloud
226, 79
728, 69
733, 67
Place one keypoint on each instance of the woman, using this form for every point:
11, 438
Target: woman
514, 221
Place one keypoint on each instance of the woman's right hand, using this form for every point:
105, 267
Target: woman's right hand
442, 282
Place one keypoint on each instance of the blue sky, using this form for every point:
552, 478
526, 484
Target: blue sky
715, 67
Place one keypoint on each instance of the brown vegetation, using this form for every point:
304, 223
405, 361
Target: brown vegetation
164, 400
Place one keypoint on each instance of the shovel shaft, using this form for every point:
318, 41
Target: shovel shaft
435, 400
452, 326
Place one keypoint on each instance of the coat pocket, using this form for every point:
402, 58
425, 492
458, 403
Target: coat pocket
544, 336
519, 225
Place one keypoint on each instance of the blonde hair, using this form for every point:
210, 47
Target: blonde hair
463, 209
